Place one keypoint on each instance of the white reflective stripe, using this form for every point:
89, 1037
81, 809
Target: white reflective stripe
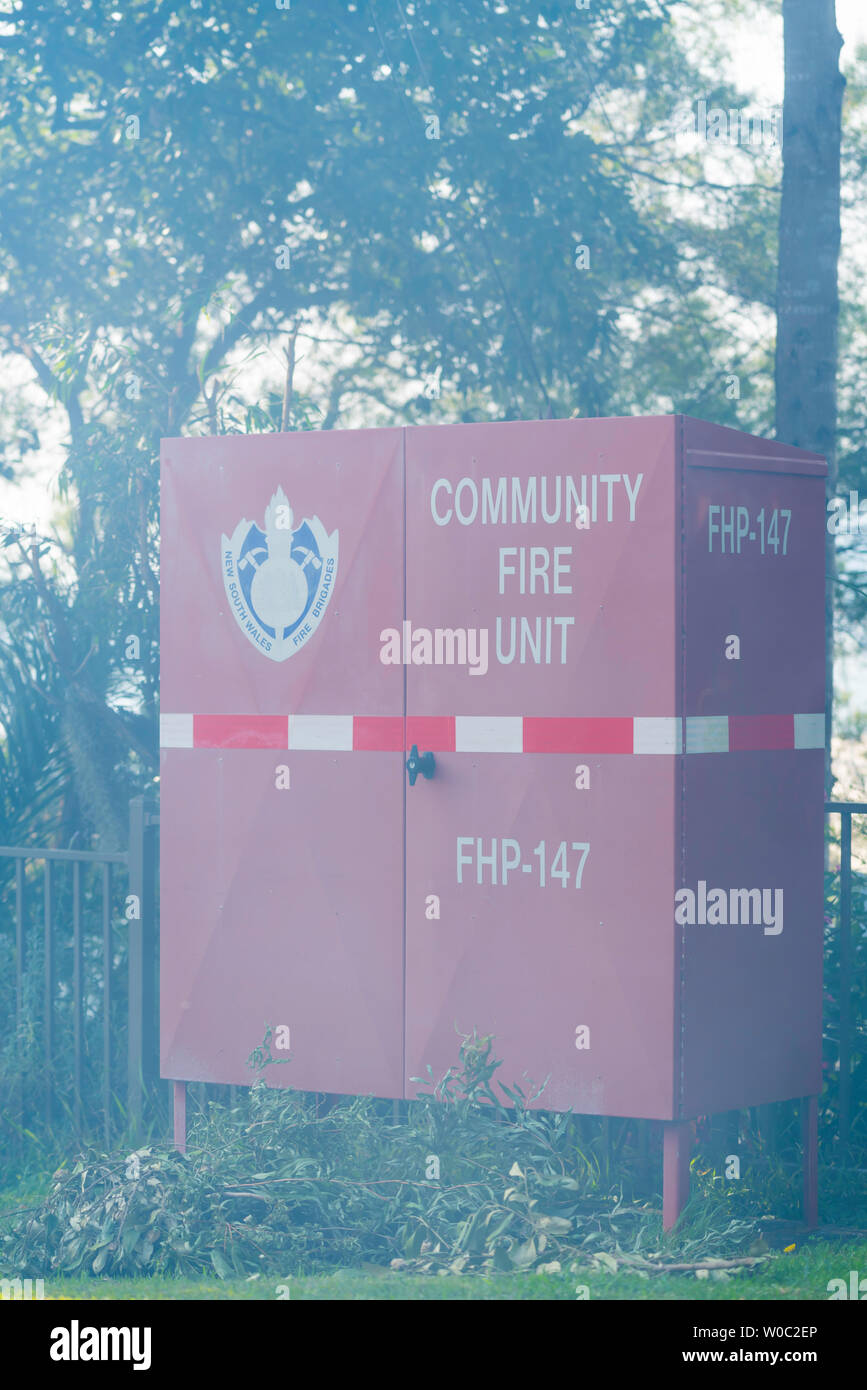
176, 731
505, 733
489, 733
656, 735
809, 731
327, 733
707, 733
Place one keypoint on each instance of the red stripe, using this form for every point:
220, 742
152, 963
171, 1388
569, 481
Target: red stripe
578, 736
374, 733
391, 734
750, 732
431, 732
240, 731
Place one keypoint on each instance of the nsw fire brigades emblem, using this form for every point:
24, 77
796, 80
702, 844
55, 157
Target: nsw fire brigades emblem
279, 580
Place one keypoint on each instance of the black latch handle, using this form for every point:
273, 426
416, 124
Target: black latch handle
419, 763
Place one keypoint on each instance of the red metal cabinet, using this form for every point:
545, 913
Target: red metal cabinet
609, 633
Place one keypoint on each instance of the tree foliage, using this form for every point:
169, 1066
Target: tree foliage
430, 173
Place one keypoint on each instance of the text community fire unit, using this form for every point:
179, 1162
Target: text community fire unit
532, 570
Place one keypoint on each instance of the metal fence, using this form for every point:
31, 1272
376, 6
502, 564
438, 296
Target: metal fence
94, 946
847, 978
85, 958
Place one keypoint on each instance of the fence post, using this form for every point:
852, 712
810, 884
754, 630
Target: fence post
50, 985
845, 973
141, 925
725, 1136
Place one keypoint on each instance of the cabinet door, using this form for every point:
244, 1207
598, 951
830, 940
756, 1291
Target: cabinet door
540, 855
282, 759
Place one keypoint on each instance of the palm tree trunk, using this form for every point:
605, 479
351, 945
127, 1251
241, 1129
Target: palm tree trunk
807, 298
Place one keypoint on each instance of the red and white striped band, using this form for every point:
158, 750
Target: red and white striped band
470, 733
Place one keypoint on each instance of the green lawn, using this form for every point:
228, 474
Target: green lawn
802, 1274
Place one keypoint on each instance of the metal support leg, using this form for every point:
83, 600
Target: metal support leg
810, 1150
179, 1106
676, 1145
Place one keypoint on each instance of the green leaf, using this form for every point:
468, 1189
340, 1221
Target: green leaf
501, 1225
502, 1258
553, 1225
129, 1238
472, 1236
603, 1257
524, 1255
412, 1240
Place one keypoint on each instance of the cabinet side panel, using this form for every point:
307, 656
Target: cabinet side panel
752, 1003
750, 907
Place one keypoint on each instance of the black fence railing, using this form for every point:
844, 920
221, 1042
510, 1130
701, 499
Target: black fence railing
84, 953
81, 931
851, 988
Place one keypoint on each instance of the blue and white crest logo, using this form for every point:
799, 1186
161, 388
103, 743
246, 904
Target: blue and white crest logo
278, 581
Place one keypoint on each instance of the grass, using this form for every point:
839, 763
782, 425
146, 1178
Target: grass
800, 1275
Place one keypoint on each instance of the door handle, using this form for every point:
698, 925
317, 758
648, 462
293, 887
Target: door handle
419, 763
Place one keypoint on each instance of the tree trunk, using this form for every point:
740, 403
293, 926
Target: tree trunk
807, 299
